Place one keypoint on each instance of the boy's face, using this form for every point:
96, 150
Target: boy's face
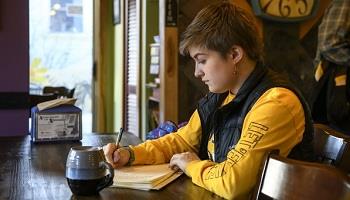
214, 70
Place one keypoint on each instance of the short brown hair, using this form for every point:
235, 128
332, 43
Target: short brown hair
220, 26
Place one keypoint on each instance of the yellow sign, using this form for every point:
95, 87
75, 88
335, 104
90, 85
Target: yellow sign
285, 10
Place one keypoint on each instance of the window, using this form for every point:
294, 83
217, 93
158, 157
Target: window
61, 49
66, 16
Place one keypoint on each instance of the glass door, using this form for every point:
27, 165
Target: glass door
61, 49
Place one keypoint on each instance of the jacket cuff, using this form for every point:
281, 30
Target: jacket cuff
139, 157
131, 156
196, 167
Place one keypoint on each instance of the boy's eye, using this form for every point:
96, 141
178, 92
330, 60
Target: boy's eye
201, 61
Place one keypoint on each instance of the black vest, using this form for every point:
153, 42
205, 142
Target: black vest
226, 122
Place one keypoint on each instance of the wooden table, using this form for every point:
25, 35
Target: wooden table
37, 171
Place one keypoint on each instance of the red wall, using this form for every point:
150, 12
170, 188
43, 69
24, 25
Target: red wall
14, 63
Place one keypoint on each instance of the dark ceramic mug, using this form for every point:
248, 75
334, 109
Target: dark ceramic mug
87, 171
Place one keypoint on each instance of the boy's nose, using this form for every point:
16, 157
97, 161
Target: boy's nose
197, 72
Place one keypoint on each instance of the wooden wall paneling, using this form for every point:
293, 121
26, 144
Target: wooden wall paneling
168, 105
284, 50
191, 89
290, 49
103, 72
150, 28
309, 24
285, 53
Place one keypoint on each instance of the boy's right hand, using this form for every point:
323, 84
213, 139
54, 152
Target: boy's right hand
116, 156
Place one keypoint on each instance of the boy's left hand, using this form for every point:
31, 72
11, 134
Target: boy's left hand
181, 160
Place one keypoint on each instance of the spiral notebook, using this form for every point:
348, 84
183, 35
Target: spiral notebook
144, 177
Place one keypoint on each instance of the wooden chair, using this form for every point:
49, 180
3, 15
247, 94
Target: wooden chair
59, 91
332, 147
35, 99
288, 179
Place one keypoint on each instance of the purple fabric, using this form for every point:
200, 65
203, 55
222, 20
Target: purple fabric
14, 68
163, 129
14, 122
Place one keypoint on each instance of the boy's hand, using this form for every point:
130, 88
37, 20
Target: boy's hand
116, 156
181, 160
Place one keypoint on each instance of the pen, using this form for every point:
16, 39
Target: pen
119, 137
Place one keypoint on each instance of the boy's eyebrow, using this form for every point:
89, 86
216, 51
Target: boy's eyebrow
198, 54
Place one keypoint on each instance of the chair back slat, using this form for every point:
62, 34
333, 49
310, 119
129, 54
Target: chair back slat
35, 99
288, 179
59, 91
332, 147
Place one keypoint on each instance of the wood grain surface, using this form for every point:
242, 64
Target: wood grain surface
37, 171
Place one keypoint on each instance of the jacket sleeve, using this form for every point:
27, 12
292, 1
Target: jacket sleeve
276, 121
162, 149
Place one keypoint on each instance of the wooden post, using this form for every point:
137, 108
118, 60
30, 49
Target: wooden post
168, 60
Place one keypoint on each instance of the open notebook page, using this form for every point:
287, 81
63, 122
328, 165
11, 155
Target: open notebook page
144, 177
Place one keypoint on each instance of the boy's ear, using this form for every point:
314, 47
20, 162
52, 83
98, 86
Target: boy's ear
236, 53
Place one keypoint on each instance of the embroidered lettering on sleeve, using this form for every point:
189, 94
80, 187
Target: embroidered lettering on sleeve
248, 141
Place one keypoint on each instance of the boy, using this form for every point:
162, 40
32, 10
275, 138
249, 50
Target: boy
249, 111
